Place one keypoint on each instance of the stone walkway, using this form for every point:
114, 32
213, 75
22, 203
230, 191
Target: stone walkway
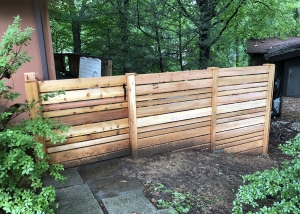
88, 186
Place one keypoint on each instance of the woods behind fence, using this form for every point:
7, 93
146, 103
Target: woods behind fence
221, 109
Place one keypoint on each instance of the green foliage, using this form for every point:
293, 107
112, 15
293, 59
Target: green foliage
281, 186
22, 160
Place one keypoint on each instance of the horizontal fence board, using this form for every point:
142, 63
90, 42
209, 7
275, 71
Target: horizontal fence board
89, 109
95, 128
173, 100
240, 117
236, 80
240, 142
173, 107
174, 124
93, 117
229, 72
81, 83
174, 86
71, 140
239, 124
88, 94
238, 139
239, 113
241, 98
239, 132
88, 151
242, 86
173, 129
165, 138
172, 76
87, 143
240, 106
205, 92
243, 147
242, 91
254, 151
172, 117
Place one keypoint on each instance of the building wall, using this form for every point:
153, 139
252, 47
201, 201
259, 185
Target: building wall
290, 108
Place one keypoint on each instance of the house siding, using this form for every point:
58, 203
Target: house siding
290, 108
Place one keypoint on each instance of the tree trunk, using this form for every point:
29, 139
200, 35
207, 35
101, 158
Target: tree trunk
76, 30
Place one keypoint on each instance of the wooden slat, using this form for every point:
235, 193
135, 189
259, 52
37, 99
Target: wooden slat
174, 124
240, 142
236, 80
255, 151
95, 128
243, 147
214, 104
239, 124
240, 106
172, 76
155, 140
241, 98
175, 86
240, 113
173, 100
229, 72
173, 107
94, 117
239, 132
240, 138
203, 93
173, 129
242, 91
87, 143
173, 117
88, 151
242, 86
79, 104
240, 117
89, 109
88, 94
81, 83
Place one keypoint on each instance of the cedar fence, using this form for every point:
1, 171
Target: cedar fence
221, 109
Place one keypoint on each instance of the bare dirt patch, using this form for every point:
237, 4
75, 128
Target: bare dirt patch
211, 179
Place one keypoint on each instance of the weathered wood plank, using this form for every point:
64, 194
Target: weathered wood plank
238, 139
242, 91
236, 80
229, 72
239, 132
240, 117
243, 147
239, 113
241, 98
241, 106
81, 83
243, 86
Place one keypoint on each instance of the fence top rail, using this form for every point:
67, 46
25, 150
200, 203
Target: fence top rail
238, 71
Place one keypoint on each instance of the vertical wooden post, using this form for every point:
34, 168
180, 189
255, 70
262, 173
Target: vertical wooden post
271, 71
109, 68
131, 99
32, 93
214, 106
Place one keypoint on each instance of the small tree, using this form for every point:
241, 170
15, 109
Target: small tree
22, 161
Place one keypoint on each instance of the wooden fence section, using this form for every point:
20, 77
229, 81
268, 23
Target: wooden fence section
219, 109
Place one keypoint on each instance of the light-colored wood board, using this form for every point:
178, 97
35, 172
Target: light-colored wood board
172, 76
239, 138
173, 117
93, 117
87, 143
88, 94
81, 83
174, 86
173, 100
89, 109
203, 120
242, 86
229, 72
236, 80
239, 132
240, 117
88, 151
239, 113
243, 147
202, 93
241, 98
242, 91
240, 123
241, 106
86, 103
255, 151
71, 140
240, 142
95, 128
161, 139
173, 129
214, 104
173, 107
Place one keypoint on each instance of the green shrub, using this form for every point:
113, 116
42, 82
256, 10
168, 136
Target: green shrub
22, 161
280, 186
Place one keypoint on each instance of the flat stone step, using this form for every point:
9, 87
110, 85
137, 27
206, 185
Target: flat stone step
72, 175
90, 206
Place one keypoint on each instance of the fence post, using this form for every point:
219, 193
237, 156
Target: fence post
130, 77
271, 71
32, 93
214, 104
